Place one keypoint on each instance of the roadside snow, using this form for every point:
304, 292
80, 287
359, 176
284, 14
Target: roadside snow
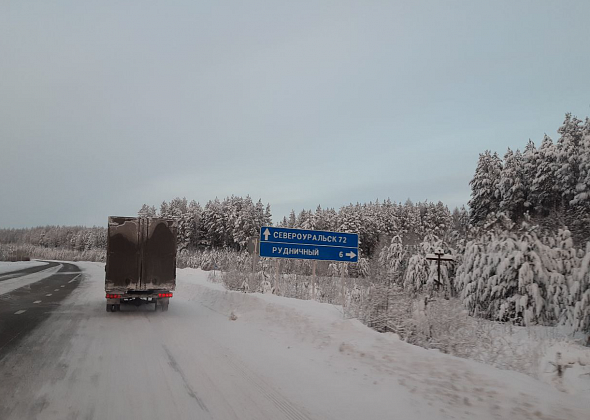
8, 266
434, 375
275, 358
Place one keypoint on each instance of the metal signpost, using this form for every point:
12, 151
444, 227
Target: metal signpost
316, 245
304, 244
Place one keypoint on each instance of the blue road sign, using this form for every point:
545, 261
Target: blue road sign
308, 244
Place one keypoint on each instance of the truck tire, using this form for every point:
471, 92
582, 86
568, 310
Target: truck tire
108, 307
118, 307
155, 305
165, 306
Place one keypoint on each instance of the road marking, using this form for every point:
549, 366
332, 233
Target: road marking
20, 312
63, 285
37, 301
48, 294
74, 279
56, 290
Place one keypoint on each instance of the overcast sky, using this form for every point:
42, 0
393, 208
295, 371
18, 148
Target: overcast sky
106, 105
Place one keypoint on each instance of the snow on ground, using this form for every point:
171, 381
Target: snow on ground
7, 266
22, 281
278, 359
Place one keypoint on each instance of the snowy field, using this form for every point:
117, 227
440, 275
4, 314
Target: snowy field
227, 355
8, 266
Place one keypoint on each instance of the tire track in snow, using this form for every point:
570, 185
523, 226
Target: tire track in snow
289, 409
190, 391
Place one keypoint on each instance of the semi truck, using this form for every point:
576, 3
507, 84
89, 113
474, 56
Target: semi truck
141, 262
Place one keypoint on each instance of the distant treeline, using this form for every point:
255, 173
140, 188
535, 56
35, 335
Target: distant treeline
75, 238
231, 222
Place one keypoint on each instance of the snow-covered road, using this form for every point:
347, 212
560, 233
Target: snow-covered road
280, 359
7, 266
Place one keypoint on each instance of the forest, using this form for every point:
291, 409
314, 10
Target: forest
520, 248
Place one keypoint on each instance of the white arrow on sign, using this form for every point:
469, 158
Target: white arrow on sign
350, 254
266, 234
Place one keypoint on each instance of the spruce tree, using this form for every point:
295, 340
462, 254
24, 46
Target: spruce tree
484, 187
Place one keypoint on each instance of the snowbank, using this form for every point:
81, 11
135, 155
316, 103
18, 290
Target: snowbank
432, 375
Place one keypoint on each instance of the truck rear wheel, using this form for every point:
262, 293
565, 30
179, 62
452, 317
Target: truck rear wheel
155, 305
165, 306
108, 307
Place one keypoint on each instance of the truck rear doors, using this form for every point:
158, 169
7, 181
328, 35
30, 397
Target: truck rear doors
141, 254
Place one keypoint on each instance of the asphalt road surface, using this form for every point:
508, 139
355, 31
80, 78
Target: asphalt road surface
22, 309
26, 271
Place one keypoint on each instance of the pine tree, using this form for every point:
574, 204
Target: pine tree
247, 222
582, 196
511, 185
422, 273
460, 221
580, 295
292, 219
268, 216
503, 276
568, 158
530, 164
392, 258
484, 187
561, 262
164, 209
544, 192
147, 211
389, 223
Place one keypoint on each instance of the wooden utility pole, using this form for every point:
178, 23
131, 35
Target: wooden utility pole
439, 256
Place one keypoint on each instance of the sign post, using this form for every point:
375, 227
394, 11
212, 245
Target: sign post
316, 245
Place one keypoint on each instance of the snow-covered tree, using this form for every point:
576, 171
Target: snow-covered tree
580, 295
422, 273
582, 195
147, 211
485, 187
511, 185
392, 259
544, 193
503, 276
568, 157
561, 262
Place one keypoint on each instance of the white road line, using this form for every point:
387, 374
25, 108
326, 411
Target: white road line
74, 279
48, 294
63, 285
20, 312
37, 301
56, 290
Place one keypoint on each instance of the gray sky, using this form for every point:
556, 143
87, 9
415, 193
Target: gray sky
106, 105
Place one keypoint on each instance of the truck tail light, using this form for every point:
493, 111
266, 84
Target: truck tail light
168, 295
111, 296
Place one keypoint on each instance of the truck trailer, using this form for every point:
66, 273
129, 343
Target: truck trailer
141, 261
